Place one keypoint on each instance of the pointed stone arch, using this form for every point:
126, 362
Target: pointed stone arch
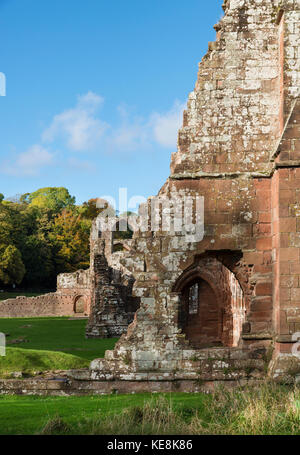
212, 304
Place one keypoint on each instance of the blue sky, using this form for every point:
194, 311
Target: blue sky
95, 91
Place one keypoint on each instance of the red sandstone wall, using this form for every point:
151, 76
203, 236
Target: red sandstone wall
238, 218
45, 305
73, 293
286, 241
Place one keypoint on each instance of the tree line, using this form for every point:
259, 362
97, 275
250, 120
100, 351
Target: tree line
42, 234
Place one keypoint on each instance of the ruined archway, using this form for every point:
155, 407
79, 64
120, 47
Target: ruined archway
80, 305
211, 304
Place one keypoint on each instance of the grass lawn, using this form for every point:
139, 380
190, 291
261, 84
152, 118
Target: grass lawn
58, 335
79, 415
59, 343
266, 410
30, 361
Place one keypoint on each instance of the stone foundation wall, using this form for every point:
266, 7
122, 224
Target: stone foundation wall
72, 387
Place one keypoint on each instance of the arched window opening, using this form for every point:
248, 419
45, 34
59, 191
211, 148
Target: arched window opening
194, 299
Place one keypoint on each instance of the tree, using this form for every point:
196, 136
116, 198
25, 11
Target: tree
11, 225
1, 197
38, 259
70, 239
44, 233
20, 226
54, 199
12, 269
89, 209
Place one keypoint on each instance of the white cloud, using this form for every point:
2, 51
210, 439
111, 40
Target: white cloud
29, 163
78, 127
166, 126
135, 133
131, 134
81, 129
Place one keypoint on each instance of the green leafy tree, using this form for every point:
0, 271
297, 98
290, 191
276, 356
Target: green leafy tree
49, 234
54, 199
89, 209
12, 231
70, 237
12, 269
20, 227
37, 255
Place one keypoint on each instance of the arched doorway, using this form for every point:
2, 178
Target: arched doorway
201, 316
79, 307
211, 304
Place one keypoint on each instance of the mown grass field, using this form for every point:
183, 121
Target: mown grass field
48, 343
268, 410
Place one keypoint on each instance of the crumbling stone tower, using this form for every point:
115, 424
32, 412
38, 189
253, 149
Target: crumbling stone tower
112, 304
220, 308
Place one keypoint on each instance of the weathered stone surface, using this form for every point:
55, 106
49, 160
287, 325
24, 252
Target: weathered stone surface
104, 387
113, 306
285, 368
236, 290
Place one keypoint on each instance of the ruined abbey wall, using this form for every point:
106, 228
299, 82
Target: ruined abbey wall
238, 148
72, 298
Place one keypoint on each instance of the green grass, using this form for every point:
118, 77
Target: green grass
59, 343
29, 361
55, 334
266, 410
13, 295
80, 415
58, 335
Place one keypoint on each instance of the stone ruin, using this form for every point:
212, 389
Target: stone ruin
72, 298
112, 304
226, 307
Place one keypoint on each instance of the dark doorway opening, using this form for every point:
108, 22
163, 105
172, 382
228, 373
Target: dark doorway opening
202, 318
212, 306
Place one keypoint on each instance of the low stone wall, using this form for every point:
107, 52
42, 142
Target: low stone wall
64, 386
54, 304
202, 376
182, 367
72, 298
